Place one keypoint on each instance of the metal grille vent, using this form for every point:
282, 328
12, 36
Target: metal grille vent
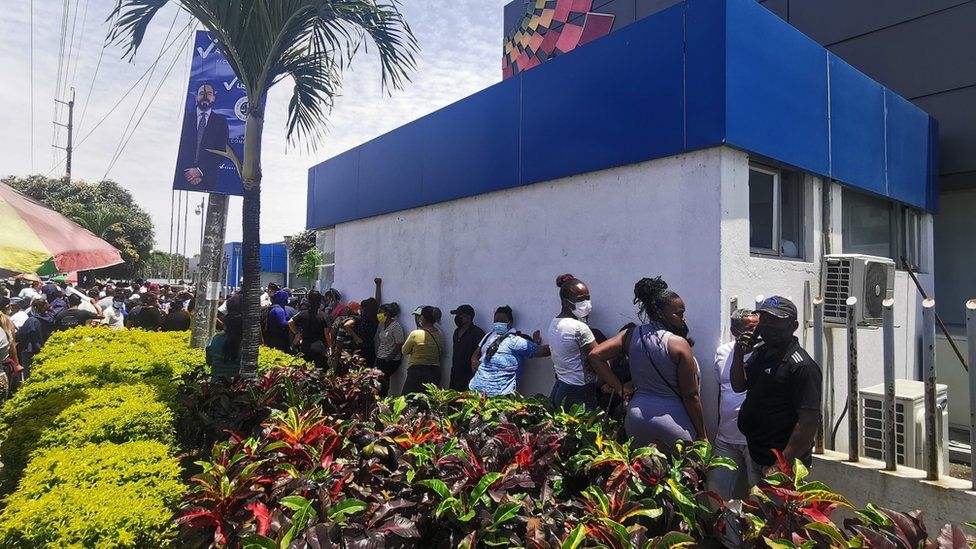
873, 433
837, 289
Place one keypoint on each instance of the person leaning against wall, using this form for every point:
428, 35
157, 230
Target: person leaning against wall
425, 346
783, 387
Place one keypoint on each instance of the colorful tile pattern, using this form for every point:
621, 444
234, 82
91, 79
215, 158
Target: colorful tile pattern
546, 32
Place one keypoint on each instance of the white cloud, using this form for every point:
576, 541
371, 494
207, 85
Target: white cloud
460, 54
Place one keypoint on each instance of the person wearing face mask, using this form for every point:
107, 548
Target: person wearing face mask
115, 313
466, 338
570, 341
664, 397
783, 388
500, 356
389, 343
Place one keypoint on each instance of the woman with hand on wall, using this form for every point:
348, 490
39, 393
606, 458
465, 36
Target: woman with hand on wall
570, 342
666, 402
501, 355
425, 346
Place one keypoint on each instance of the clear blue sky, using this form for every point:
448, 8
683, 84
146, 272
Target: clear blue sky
461, 54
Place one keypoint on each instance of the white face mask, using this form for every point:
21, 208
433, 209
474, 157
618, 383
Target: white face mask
582, 309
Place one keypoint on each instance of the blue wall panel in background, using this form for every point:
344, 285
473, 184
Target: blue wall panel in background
776, 89
391, 171
615, 101
704, 73
857, 127
471, 147
908, 150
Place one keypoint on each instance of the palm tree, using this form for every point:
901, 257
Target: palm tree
266, 41
99, 220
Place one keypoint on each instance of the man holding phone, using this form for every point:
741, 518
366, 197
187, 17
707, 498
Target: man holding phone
783, 388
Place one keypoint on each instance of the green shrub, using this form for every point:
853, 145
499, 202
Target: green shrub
115, 413
102, 495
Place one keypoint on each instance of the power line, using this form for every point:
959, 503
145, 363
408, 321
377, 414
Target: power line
152, 99
31, 70
57, 85
138, 104
81, 38
121, 99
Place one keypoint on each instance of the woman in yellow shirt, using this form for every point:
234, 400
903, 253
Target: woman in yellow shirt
425, 346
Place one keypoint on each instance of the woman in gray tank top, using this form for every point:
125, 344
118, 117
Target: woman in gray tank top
666, 401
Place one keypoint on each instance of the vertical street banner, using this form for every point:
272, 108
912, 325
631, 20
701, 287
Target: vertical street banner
213, 119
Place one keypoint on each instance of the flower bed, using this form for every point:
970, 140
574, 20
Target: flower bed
452, 469
89, 449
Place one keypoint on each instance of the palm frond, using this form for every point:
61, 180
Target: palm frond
311, 41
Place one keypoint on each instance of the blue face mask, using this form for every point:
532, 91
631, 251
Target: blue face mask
500, 327
117, 305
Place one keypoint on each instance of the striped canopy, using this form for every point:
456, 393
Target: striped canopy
34, 238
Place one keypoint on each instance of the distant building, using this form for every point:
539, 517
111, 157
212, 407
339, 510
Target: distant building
274, 266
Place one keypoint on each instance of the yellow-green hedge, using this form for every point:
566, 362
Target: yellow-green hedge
89, 443
98, 495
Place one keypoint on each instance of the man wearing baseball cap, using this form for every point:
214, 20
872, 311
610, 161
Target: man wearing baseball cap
467, 337
783, 388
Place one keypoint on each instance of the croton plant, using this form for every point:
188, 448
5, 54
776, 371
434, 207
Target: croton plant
306, 459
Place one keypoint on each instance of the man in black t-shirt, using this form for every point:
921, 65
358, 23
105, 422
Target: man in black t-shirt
782, 408
147, 316
73, 316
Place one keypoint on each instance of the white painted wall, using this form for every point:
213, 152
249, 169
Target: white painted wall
747, 276
685, 217
609, 228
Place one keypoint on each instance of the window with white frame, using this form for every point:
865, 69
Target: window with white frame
880, 227
775, 212
325, 241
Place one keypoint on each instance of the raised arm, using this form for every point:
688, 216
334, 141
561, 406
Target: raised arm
379, 292
689, 383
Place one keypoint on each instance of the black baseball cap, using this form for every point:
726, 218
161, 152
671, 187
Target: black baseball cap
778, 306
464, 310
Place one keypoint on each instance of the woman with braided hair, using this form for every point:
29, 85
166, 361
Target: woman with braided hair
666, 402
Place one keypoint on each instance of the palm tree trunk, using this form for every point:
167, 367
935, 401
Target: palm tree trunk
251, 241
211, 261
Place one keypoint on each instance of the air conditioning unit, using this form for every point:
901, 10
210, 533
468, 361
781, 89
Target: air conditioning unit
909, 423
868, 278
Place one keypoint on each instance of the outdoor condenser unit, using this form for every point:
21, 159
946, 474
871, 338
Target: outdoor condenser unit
868, 278
909, 423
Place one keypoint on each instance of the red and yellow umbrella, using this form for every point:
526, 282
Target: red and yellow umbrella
34, 238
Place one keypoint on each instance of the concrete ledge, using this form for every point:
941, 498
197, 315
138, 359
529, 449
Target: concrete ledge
942, 501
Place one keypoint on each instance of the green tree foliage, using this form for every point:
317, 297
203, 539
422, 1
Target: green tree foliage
162, 264
105, 208
301, 243
309, 267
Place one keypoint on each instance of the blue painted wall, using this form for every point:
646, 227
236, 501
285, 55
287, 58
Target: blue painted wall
699, 74
274, 259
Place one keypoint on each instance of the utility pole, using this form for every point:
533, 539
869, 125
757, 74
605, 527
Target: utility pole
211, 261
70, 126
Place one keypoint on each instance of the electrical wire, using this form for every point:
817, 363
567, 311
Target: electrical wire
57, 85
118, 103
81, 37
152, 99
31, 71
135, 108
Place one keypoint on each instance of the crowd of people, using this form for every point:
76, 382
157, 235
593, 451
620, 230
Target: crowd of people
31, 310
647, 374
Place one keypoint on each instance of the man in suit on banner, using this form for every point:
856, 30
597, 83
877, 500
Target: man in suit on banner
203, 129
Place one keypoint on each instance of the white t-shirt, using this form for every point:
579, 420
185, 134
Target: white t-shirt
265, 299
106, 302
114, 319
729, 401
567, 337
19, 318
29, 293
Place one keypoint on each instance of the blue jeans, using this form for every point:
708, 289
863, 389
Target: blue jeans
568, 395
